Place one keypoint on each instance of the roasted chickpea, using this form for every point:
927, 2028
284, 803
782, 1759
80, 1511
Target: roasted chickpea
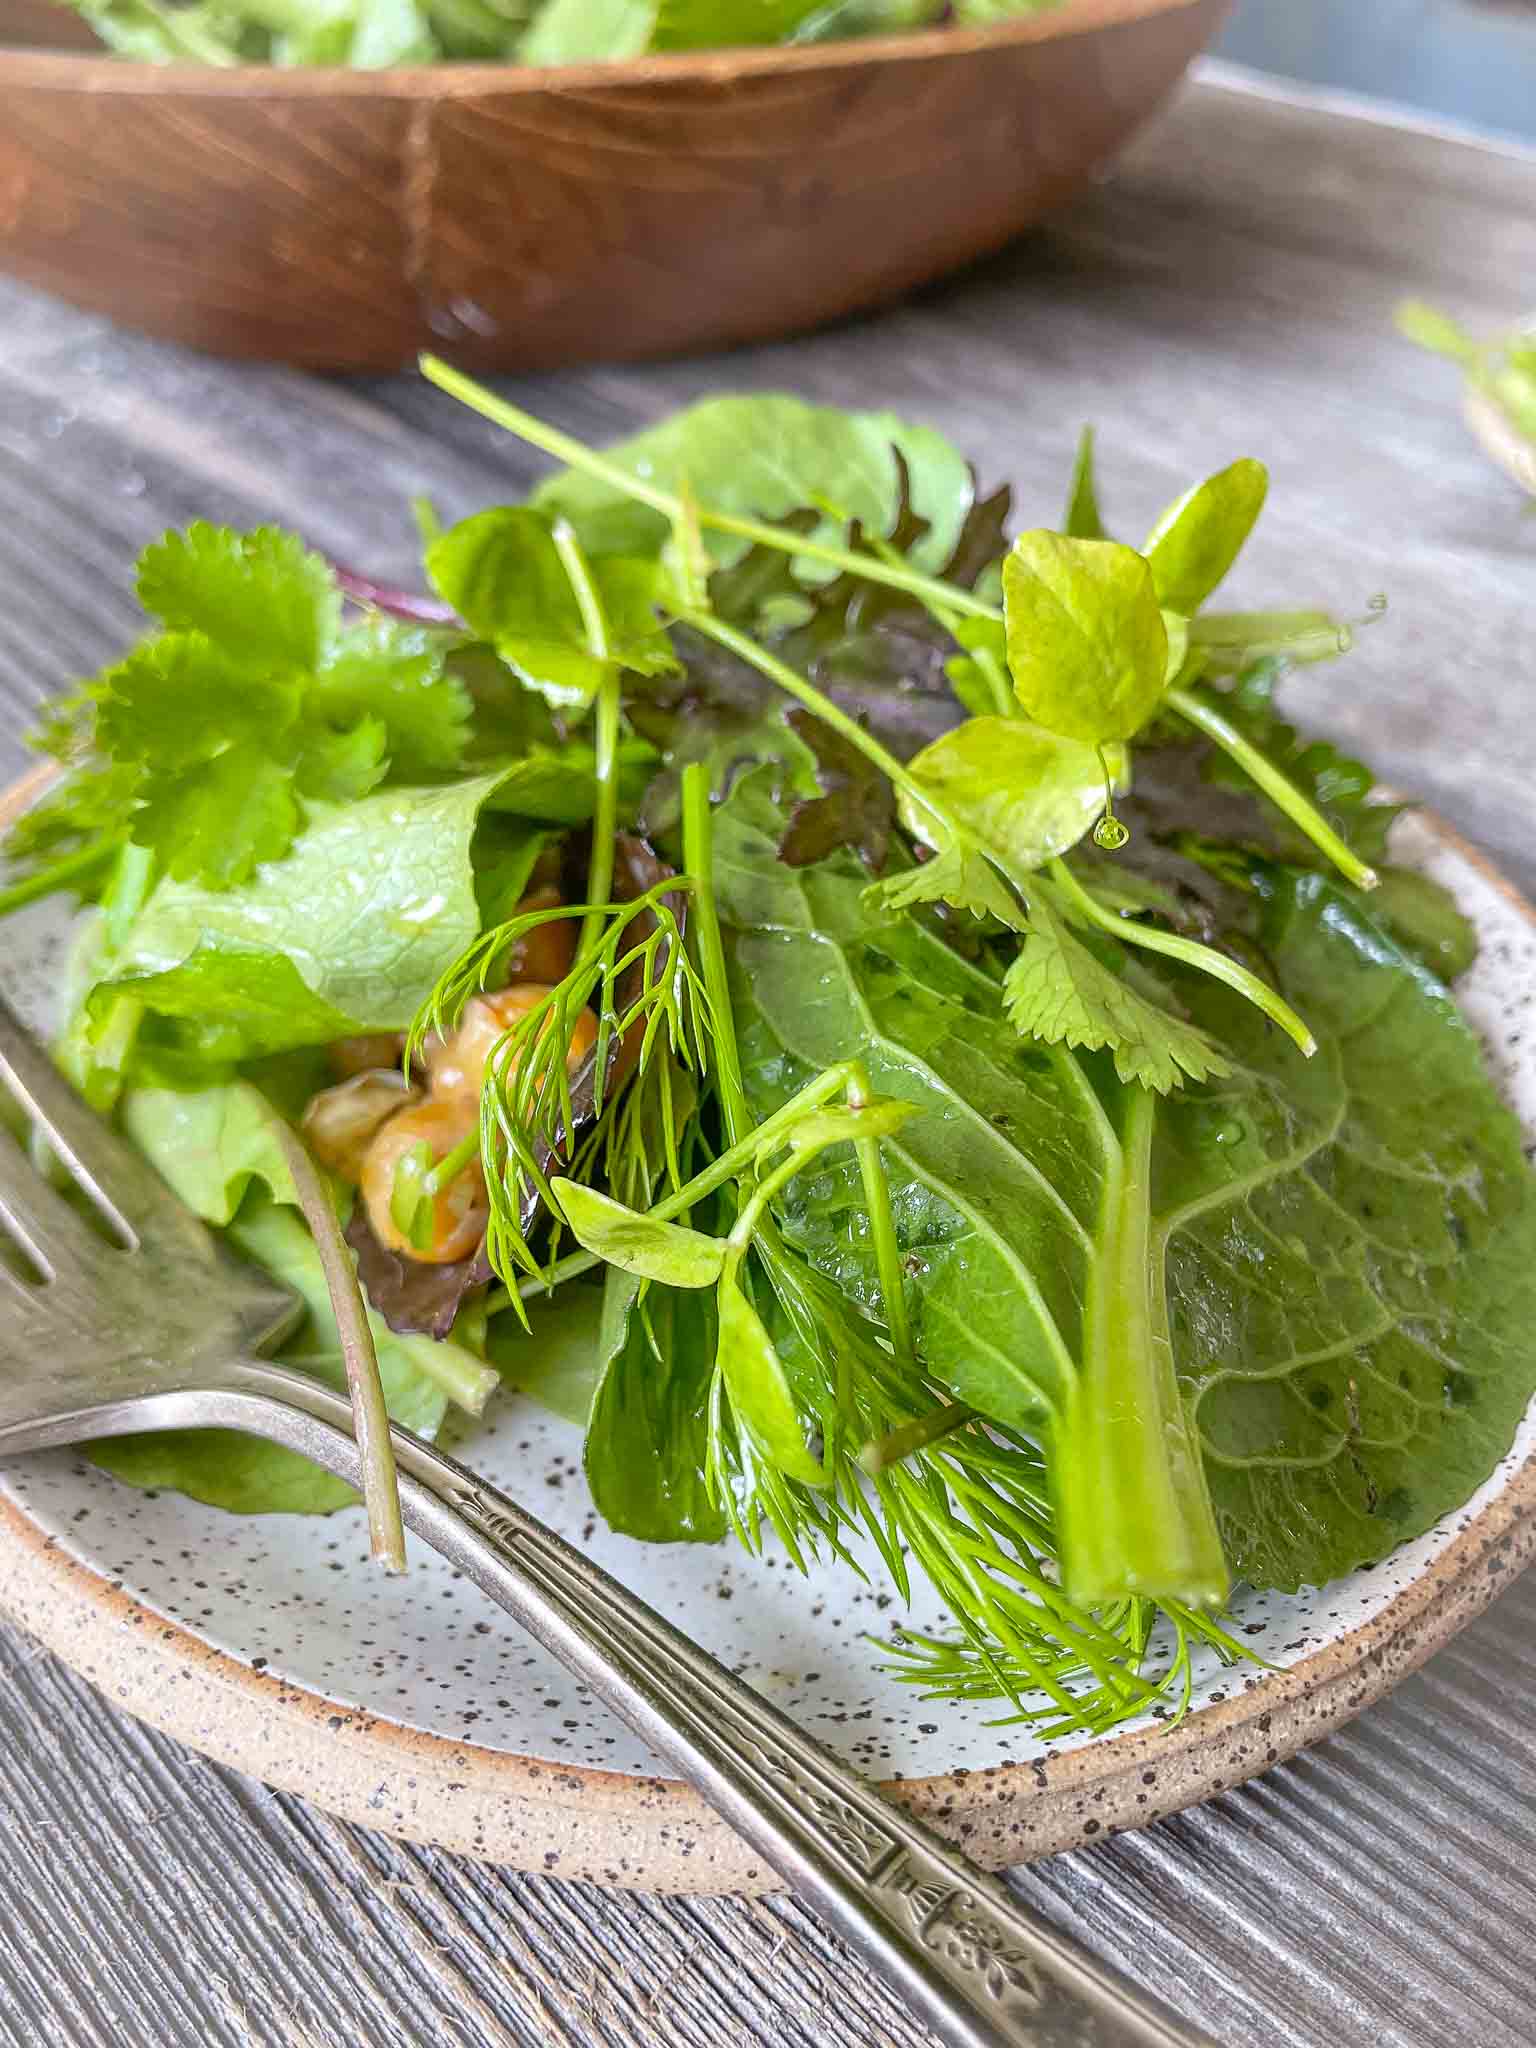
352, 1056
456, 1066
340, 1122
460, 1212
545, 954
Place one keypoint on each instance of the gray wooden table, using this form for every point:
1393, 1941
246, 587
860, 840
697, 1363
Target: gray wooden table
1228, 292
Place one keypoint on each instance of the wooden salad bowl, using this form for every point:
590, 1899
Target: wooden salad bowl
517, 219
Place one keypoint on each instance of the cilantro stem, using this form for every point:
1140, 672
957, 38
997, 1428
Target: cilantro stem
1280, 790
577, 455
1189, 951
70, 869
370, 1416
605, 817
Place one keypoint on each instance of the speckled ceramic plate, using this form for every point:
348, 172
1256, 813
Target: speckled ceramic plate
414, 1705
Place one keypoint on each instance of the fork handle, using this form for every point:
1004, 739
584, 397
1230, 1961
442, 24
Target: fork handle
982, 1971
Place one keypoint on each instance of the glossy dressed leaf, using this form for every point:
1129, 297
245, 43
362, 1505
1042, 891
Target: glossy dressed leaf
759, 1392
666, 1252
1059, 991
645, 1452
960, 876
262, 596
1087, 646
1025, 794
559, 1361
347, 933
502, 573
1201, 535
764, 456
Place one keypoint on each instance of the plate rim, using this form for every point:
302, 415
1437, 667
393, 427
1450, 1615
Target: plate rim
655, 1833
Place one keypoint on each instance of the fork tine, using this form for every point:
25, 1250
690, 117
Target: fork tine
39, 1220
122, 1185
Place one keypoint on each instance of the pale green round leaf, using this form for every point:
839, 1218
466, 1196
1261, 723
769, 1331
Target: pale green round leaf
1087, 646
1025, 794
640, 1244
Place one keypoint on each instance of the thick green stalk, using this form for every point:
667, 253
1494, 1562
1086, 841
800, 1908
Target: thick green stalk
699, 861
1133, 1511
1280, 790
577, 455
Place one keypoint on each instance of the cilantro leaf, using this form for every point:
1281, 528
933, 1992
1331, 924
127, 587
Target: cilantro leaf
218, 820
1058, 990
339, 767
959, 875
394, 673
179, 698
262, 596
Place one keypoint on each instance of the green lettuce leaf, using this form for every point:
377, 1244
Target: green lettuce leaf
348, 932
767, 456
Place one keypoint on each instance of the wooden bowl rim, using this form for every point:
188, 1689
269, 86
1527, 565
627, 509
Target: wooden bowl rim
89, 72
657, 1833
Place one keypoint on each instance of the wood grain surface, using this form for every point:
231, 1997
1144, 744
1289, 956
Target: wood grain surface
1229, 292
517, 218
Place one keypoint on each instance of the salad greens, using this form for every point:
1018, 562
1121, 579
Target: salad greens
374, 34
886, 1024
1502, 370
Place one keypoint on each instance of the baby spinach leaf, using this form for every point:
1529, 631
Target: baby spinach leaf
1024, 793
638, 1244
764, 456
1201, 535
1087, 644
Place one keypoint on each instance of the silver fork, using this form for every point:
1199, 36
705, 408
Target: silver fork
162, 1328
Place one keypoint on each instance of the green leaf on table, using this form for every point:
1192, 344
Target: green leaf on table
1024, 794
503, 574
1083, 521
1200, 536
760, 1396
1059, 991
1087, 644
765, 456
638, 1244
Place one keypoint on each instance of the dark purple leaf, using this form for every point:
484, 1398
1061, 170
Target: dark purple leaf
856, 807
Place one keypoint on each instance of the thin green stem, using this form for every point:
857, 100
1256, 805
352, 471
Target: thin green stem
370, 1416
699, 861
605, 816
451, 1165
882, 1226
577, 455
1280, 790
1189, 951
880, 1453
71, 868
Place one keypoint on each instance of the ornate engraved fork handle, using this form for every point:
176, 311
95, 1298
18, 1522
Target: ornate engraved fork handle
982, 1971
